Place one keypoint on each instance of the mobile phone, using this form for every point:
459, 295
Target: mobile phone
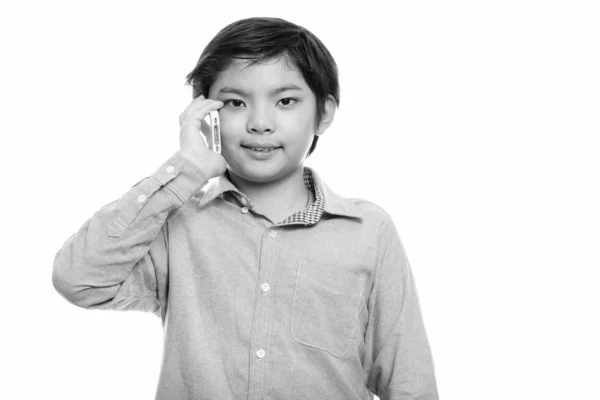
211, 131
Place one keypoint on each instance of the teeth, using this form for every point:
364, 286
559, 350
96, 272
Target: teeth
260, 149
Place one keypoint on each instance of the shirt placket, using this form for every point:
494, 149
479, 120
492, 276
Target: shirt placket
259, 347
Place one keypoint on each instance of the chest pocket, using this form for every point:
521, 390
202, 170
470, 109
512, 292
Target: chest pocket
327, 302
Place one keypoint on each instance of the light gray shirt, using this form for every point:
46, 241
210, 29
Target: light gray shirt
252, 309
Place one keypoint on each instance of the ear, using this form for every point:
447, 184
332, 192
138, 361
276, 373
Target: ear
328, 115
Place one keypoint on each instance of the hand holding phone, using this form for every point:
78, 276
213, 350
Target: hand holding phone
200, 136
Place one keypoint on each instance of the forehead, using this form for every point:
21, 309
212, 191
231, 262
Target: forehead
260, 76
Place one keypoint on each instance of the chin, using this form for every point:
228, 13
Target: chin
263, 176
260, 174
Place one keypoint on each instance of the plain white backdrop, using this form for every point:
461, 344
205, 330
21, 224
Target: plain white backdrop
484, 149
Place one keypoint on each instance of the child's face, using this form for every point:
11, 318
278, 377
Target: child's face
269, 106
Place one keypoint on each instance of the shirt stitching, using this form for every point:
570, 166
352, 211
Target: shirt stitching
329, 290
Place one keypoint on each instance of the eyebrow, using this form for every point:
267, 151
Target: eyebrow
285, 88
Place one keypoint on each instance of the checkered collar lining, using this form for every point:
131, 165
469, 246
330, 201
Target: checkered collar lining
326, 201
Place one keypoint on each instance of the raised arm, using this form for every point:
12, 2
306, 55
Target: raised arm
118, 258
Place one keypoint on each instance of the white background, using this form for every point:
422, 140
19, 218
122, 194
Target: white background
483, 146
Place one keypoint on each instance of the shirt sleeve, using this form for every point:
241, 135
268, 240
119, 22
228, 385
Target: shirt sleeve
118, 258
398, 363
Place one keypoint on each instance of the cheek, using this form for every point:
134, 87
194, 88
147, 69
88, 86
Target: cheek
301, 120
232, 125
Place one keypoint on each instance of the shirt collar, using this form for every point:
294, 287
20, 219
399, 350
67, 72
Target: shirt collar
334, 203
216, 187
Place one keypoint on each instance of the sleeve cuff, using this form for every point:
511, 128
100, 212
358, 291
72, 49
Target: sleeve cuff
182, 176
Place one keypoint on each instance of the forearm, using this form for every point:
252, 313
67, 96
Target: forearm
93, 263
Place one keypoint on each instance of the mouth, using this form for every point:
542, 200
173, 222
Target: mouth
261, 149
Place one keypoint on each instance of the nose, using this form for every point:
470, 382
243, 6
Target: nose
260, 121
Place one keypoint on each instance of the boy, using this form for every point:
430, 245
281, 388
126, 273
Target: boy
268, 284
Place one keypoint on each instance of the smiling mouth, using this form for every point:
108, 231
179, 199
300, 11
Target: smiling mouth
262, 149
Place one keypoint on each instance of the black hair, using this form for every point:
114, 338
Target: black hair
259, 39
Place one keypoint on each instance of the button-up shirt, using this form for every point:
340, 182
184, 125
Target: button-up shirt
321, 305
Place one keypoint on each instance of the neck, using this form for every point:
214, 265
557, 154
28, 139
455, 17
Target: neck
282, 194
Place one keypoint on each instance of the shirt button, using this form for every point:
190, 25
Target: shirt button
260, 353
141, 198
272, 234
170, 168
265, 287
244, 210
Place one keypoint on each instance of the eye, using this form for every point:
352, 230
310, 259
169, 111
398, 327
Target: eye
288, 101
233, 103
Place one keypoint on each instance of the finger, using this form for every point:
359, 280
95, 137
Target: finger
198, 116
189, 131
191, 106
205, 106
198, 99
206, 102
